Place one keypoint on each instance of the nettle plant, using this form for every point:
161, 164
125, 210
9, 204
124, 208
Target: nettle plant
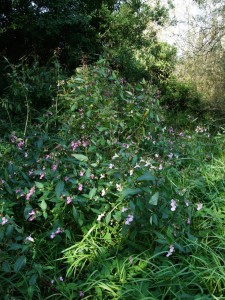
99, 159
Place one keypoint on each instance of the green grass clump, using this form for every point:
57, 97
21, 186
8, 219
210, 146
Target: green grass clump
104, 199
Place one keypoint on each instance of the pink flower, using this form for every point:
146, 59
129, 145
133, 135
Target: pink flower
188, 221
20, 144
81, 294
199, 206
80, 187
54, 167
52, 235
32, 215
81, 173
66, 178
129, 219
29, 238
173, 205
4, 220
170, 252
42, 175
68, 200
31, 192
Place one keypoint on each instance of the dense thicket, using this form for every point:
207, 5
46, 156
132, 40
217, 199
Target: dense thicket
40, 39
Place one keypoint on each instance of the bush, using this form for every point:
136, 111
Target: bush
94, 196
180, 96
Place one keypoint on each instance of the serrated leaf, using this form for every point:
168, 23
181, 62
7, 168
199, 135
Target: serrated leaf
59, 188
146, 177
20, 263
92, 193
80, 157
154, 199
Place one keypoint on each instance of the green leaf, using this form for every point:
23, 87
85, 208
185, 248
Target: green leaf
59, 188
39, 185
43, 205
20, 263
108, 218
129, 192
154, 199
75, 214
33, 279
80, 157
6, 267
92, 193
147, 176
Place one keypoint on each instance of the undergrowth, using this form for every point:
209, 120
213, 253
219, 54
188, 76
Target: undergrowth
104, 198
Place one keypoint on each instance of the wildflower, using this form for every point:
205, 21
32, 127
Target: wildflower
42, 175
125, 145
181, 134
156, 155
31, 192
66, 178
20, 144
115, 156
26, 154
111, 166
170, 252
170, 155
32, 215
80, 187
102, 176
136, 166
29, 238
173, 205
59, 230
199, 206
85, 144
68, 200
129, 219
52, 235
81, 294
60, 278
160, 167
100, 216
131, 172
54, 167
188, 221
75, 145
81, 173
103, 192
47, 156
119, 187
4, 220
17, 191
124, 209
52, 282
